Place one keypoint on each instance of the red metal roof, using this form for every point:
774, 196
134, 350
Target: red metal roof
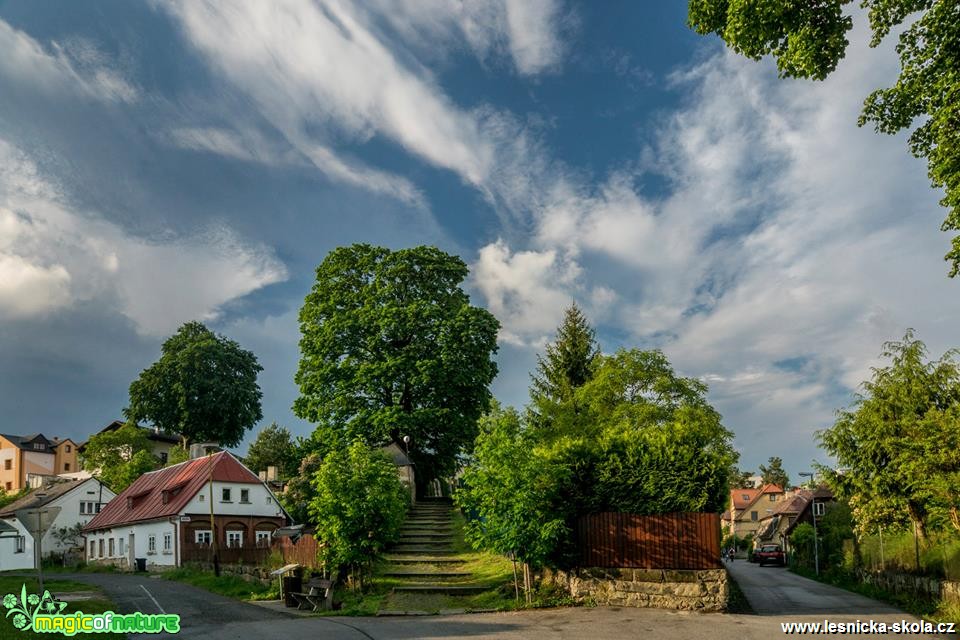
146, 492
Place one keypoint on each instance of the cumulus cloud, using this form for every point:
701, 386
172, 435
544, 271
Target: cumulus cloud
52, 257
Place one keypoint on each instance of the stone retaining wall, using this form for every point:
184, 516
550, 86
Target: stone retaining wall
686, 590
246, 572
896, 582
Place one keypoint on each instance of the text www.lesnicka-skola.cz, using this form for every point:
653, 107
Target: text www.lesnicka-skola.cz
868, 626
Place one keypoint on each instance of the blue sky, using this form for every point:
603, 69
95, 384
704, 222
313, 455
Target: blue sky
168, 161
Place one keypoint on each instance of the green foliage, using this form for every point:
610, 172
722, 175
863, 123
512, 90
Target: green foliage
274, 446
774, 473
801, 542
808, 39
71, 536
204, 387
897, 445
8, 498
359, 506
391, 347
512, 490
225, 584
120, 456
740, 479
569, 361
300, 490
177, 455
634, 438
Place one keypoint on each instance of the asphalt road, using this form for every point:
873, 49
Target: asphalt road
205, 615
775, 591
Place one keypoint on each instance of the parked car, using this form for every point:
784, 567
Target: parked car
770, 554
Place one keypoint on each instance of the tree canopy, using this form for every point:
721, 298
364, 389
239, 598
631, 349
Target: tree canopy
773, 473
391, 347
896, 448
204, 387
120, 456
569, 360
274, 447
808, 40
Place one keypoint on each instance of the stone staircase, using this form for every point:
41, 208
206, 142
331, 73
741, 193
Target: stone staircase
425, 560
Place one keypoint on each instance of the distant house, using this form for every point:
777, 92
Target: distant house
165, 510
79, 501
23, 457
773, 526
747, 507
161, 441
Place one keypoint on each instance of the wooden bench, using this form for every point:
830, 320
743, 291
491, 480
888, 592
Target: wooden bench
318, 595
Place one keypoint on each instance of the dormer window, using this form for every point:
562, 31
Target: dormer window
38, 446
745, 496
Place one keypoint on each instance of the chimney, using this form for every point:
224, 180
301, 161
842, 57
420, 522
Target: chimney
200, 449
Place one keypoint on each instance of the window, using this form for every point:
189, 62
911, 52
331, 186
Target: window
110, 547
83, 508
773, 497
93, 553
234, 538
21, 541
753, 515
163, 457
818, 509
9, 486
201, 497
68, 449
99, 505
167, 542
66, 466
745, 496
202, 536
152, 544
38, 446
100, 547
245, 495
7, 464
122, 547
263, 538
225, 496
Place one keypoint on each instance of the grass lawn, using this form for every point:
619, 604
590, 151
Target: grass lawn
12, 584
226, 585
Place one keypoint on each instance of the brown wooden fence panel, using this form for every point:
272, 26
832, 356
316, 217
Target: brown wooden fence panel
665, 541
303, 552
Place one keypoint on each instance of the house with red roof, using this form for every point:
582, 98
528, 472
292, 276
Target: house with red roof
748, 507
165, 510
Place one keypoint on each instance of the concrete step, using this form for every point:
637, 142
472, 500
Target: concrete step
450, 589
421, 559
411, 573
426, 537
412, 549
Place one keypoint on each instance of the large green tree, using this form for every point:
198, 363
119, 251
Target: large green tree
274, 447
120, 456
204, 387
569, 360
773, 473
391, 347
890, 445
809, 37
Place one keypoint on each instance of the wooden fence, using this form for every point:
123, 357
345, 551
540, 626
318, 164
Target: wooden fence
668, 541
303, 552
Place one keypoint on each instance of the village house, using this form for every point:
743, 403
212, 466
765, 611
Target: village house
169, 510
23, 457
747, 507
79, 500
161, 442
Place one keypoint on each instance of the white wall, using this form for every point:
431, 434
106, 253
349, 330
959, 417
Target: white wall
141, 543
90, 490
261, 503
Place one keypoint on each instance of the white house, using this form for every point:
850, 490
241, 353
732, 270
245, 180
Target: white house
79, 501
167, 511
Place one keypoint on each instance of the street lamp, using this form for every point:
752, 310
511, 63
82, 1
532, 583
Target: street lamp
813, 513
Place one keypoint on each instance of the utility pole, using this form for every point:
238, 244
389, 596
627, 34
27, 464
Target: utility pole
213, 531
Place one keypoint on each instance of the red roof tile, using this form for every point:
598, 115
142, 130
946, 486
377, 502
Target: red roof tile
742, 498
146, 492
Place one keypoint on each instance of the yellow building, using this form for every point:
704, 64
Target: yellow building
22, 457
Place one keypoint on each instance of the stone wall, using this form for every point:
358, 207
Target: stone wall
686, 590
925, 587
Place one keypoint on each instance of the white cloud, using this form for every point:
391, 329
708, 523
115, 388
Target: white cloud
52, 257
76, 67
533, 28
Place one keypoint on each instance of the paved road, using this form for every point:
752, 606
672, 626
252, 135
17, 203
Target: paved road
205, 615
774, 591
